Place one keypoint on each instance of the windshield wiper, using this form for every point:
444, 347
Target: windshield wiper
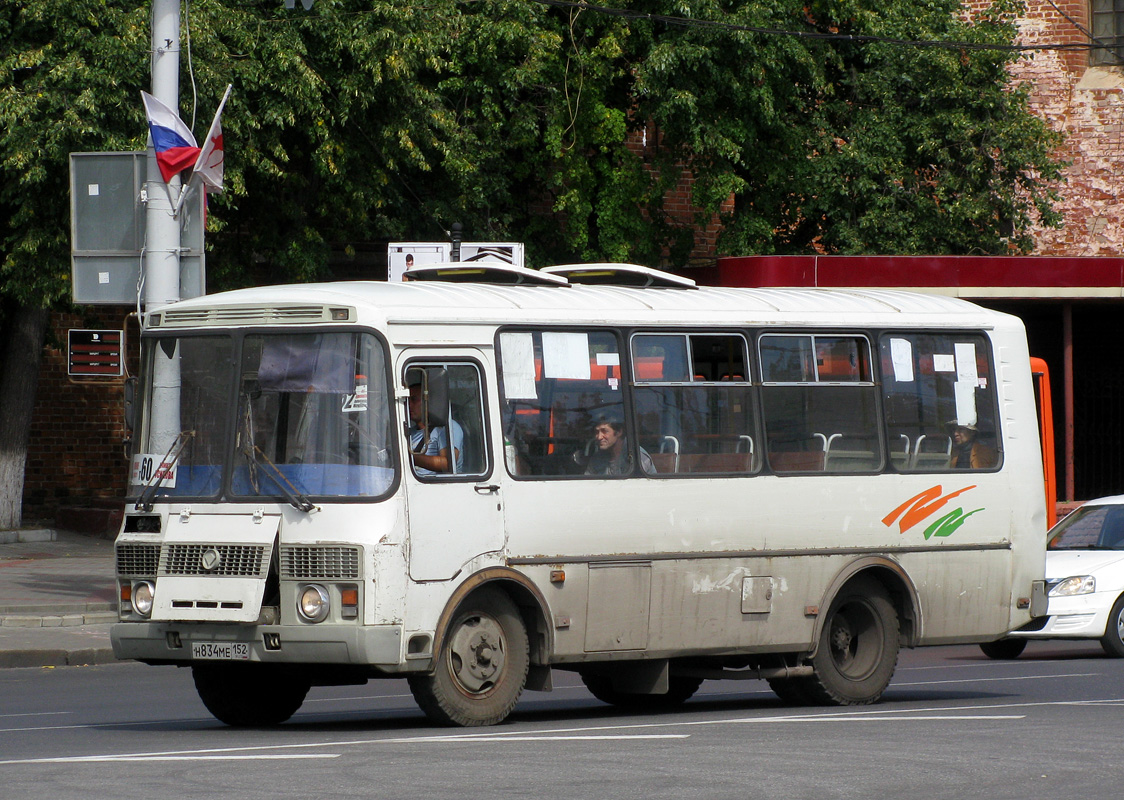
257, 458
144, 502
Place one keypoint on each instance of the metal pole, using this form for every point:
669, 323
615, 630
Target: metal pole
162, 245
1067, 383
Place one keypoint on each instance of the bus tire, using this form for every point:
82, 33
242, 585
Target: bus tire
791, 691
858, 647
249, 695
679, 690
1113, 640
481, 666
1004, 649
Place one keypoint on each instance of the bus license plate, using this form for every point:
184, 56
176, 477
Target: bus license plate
221, 651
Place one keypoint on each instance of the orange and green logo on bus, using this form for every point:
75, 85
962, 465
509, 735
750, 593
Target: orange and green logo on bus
921, 507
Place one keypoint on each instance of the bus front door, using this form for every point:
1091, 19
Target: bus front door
453, 499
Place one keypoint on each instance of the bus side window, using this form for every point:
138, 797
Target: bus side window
694, 411
555, 386
819, 403
457, 387
940, 402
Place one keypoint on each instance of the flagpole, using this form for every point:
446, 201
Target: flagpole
196, 173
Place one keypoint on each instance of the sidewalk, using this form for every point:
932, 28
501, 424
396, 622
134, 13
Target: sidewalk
57, 599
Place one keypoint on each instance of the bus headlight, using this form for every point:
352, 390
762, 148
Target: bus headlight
142, 597
313, 603
1078, 584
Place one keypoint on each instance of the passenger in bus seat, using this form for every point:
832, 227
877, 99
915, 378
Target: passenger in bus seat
609, 453
429, 447
968, 452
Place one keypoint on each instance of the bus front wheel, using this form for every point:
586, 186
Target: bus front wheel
249, 695
858, 647
481, 666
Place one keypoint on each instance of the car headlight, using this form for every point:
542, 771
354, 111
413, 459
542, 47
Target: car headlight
1078, 584
142, 597
313, 603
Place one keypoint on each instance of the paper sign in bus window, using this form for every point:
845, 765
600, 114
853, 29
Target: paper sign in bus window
966, 363
901, 356
965, 403
517, 354
565, 355
944, 362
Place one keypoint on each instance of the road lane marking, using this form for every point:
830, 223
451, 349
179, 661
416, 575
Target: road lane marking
947, 713
993, 680
230, 757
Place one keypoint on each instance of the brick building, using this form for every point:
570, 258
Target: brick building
75, 468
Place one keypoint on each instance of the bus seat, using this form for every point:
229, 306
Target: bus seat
665, 463
716, 462
796, 461
849, 453
932, 452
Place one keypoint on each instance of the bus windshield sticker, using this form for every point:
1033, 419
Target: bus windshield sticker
565, 355
943, 362
609, 359
517, 354
901, 355
357, 401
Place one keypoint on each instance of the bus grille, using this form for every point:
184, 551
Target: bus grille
320, 563
138, 559
240, 560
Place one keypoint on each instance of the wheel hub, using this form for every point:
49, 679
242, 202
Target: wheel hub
841, 637
476, 654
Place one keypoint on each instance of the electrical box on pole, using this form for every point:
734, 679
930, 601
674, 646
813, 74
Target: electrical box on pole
108, 230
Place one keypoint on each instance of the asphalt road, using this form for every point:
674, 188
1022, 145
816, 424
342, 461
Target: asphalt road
953, 724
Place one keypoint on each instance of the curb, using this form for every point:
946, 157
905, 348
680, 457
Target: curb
59, 619
57, 657
30, 535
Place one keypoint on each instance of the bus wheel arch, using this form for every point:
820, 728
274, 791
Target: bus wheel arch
896, 582
489, 634
867, 617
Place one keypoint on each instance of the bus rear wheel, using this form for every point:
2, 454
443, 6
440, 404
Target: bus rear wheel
679, 691
481, 666
858, 647
791, 691
249, 695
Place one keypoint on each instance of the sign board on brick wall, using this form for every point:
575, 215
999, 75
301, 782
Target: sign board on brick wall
94, 353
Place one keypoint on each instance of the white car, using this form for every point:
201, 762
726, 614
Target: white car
1084, 582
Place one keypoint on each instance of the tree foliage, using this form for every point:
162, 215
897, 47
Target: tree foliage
364, 121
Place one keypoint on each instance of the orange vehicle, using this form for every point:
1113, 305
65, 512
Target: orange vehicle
1041, 377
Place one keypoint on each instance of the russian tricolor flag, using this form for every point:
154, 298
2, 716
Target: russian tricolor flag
175, 146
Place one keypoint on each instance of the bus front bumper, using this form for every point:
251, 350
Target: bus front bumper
185, 642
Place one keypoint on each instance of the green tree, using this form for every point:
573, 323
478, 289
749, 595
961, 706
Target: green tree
363, 121
840, 146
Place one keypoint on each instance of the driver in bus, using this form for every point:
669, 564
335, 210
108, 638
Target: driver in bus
429, 446
611, 454
968, 452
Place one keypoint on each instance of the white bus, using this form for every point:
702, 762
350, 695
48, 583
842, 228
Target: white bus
651, 484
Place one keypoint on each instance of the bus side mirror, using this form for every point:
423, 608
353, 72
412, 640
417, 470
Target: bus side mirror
130, 408
130, 404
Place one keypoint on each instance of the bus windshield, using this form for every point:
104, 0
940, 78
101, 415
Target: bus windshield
288, 415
